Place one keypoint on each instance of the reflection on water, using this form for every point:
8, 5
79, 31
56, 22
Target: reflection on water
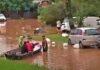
4, 45
41, 60
57, 58
3, 27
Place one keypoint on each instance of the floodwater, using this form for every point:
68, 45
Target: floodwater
57, 58
10, 30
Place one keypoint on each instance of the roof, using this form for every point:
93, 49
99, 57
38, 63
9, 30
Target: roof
90, 19
85, 28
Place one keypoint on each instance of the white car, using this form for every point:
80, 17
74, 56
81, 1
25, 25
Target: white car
2, 23
2, 17
84, 36
65, 25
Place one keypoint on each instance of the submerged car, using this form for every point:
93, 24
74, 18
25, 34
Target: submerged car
84, 36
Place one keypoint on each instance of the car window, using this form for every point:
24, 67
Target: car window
73, 32
92, 32
78, 31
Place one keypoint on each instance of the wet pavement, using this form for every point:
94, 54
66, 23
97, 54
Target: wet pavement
57, 58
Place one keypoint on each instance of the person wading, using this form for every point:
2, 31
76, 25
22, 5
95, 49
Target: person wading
24, 48
20, 41
44, 43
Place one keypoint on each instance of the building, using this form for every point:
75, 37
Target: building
91, 21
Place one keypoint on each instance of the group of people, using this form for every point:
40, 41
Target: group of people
28, 46
63, 27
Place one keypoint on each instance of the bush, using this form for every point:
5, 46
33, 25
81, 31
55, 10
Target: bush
52, 13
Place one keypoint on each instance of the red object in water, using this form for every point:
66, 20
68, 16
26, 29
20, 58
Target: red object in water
29, 46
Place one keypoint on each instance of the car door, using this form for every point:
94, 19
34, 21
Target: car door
72, 36
78, 36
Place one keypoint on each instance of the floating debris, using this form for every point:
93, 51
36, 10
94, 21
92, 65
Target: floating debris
53, 44
76, 46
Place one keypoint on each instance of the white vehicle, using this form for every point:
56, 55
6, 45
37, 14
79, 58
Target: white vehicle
65, 25
84, 36
2, 18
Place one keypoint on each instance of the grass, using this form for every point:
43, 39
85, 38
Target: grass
54, 37
14, 65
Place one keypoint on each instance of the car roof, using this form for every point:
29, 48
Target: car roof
1, 14
86, 28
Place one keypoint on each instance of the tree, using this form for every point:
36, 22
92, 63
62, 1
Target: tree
70, 8
85, 8
51, 13
15, 5
56, 11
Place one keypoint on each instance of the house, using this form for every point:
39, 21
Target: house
91, 21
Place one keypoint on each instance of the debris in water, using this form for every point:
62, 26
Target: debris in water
53, 44
76, 46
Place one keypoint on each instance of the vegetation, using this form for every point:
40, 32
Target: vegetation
14, 65
17, 8
52, 12
54, 37
86, 8
71, 8
15, 5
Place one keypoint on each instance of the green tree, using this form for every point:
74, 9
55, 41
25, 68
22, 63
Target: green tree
15, 5
56, 11
52, 13
85, 8
70, 8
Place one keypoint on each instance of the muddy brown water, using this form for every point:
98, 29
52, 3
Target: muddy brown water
57, 58
10, 30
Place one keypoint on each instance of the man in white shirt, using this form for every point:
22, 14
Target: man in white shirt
58, 24
65, 28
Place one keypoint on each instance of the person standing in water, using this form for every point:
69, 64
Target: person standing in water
20, 41
44, 44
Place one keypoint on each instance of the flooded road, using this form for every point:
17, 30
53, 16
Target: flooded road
10, 30
57, 58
